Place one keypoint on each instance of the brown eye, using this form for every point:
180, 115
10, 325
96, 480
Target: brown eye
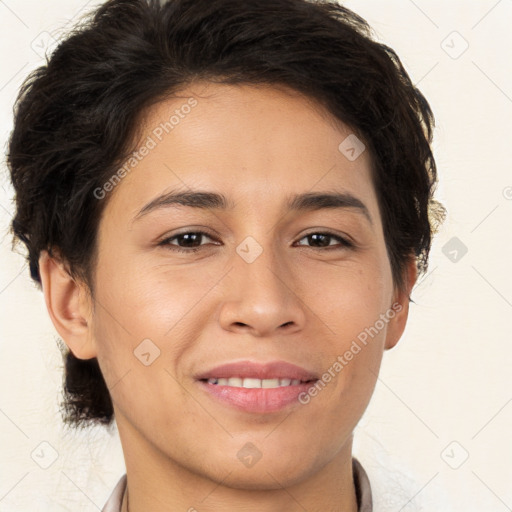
321, 239
187, 242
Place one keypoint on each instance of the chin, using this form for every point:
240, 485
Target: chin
266, 477
274, 469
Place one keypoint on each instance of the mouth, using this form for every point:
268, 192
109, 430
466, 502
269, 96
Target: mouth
256, 387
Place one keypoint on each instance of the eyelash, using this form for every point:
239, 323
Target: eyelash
346, 244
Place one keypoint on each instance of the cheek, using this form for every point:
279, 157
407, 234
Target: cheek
140, 311
147, 299
353, 311
352, 297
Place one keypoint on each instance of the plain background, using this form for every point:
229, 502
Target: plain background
436, 435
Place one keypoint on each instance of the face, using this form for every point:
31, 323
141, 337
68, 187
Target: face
183, 286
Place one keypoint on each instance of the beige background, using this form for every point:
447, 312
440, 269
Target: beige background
444, 392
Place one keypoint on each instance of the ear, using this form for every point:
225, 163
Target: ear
69, 305
396, 325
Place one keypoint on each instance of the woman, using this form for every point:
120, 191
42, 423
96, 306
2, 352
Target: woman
296, 148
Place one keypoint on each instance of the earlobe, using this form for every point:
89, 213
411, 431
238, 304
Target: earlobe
68, 305
400, 306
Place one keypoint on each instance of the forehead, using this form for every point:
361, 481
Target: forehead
255, 144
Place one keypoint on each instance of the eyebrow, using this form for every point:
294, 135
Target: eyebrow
311, 201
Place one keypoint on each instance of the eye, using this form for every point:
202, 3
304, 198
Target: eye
190, 241
189, 238
322, 239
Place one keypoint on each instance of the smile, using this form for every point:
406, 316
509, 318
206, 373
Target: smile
250, 382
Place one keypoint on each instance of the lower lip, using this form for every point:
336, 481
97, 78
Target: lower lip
258, 400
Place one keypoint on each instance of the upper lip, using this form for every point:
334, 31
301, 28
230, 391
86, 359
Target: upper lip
257, 370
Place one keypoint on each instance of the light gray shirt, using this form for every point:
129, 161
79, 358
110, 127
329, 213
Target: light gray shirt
361, 483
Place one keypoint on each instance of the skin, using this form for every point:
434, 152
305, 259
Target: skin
297, 301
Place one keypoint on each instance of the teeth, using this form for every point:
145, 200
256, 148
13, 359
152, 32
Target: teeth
247, 383
250, 382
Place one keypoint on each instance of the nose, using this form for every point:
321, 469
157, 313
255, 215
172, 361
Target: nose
261, 297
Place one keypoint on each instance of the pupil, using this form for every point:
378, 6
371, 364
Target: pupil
315, 237
189, 237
